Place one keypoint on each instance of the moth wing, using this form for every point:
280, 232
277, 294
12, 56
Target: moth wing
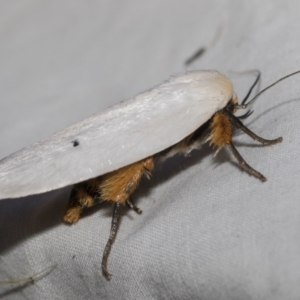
118, 136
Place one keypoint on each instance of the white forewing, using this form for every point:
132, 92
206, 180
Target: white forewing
118, 136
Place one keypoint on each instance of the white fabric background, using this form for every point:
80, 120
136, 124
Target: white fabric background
208, 230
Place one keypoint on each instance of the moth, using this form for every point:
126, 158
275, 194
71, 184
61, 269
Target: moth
106, 155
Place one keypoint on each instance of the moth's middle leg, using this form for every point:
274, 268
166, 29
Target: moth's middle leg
117, 187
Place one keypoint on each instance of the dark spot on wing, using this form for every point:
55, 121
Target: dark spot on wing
75, 143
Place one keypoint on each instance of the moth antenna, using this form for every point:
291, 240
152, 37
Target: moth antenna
252, 87
244, 106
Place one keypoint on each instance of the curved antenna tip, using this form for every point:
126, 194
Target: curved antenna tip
245, 105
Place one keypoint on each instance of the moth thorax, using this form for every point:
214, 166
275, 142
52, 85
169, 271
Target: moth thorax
220, 130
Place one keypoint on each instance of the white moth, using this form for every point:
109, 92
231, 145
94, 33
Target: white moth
106, 155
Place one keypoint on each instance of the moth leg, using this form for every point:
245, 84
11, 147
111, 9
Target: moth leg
117, 210
238, 124
132, 206
243, 163
117, 186
246, 115
82, 196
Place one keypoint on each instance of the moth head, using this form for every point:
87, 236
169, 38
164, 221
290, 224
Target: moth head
233, 102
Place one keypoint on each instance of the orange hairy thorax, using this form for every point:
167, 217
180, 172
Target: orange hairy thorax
221, 131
